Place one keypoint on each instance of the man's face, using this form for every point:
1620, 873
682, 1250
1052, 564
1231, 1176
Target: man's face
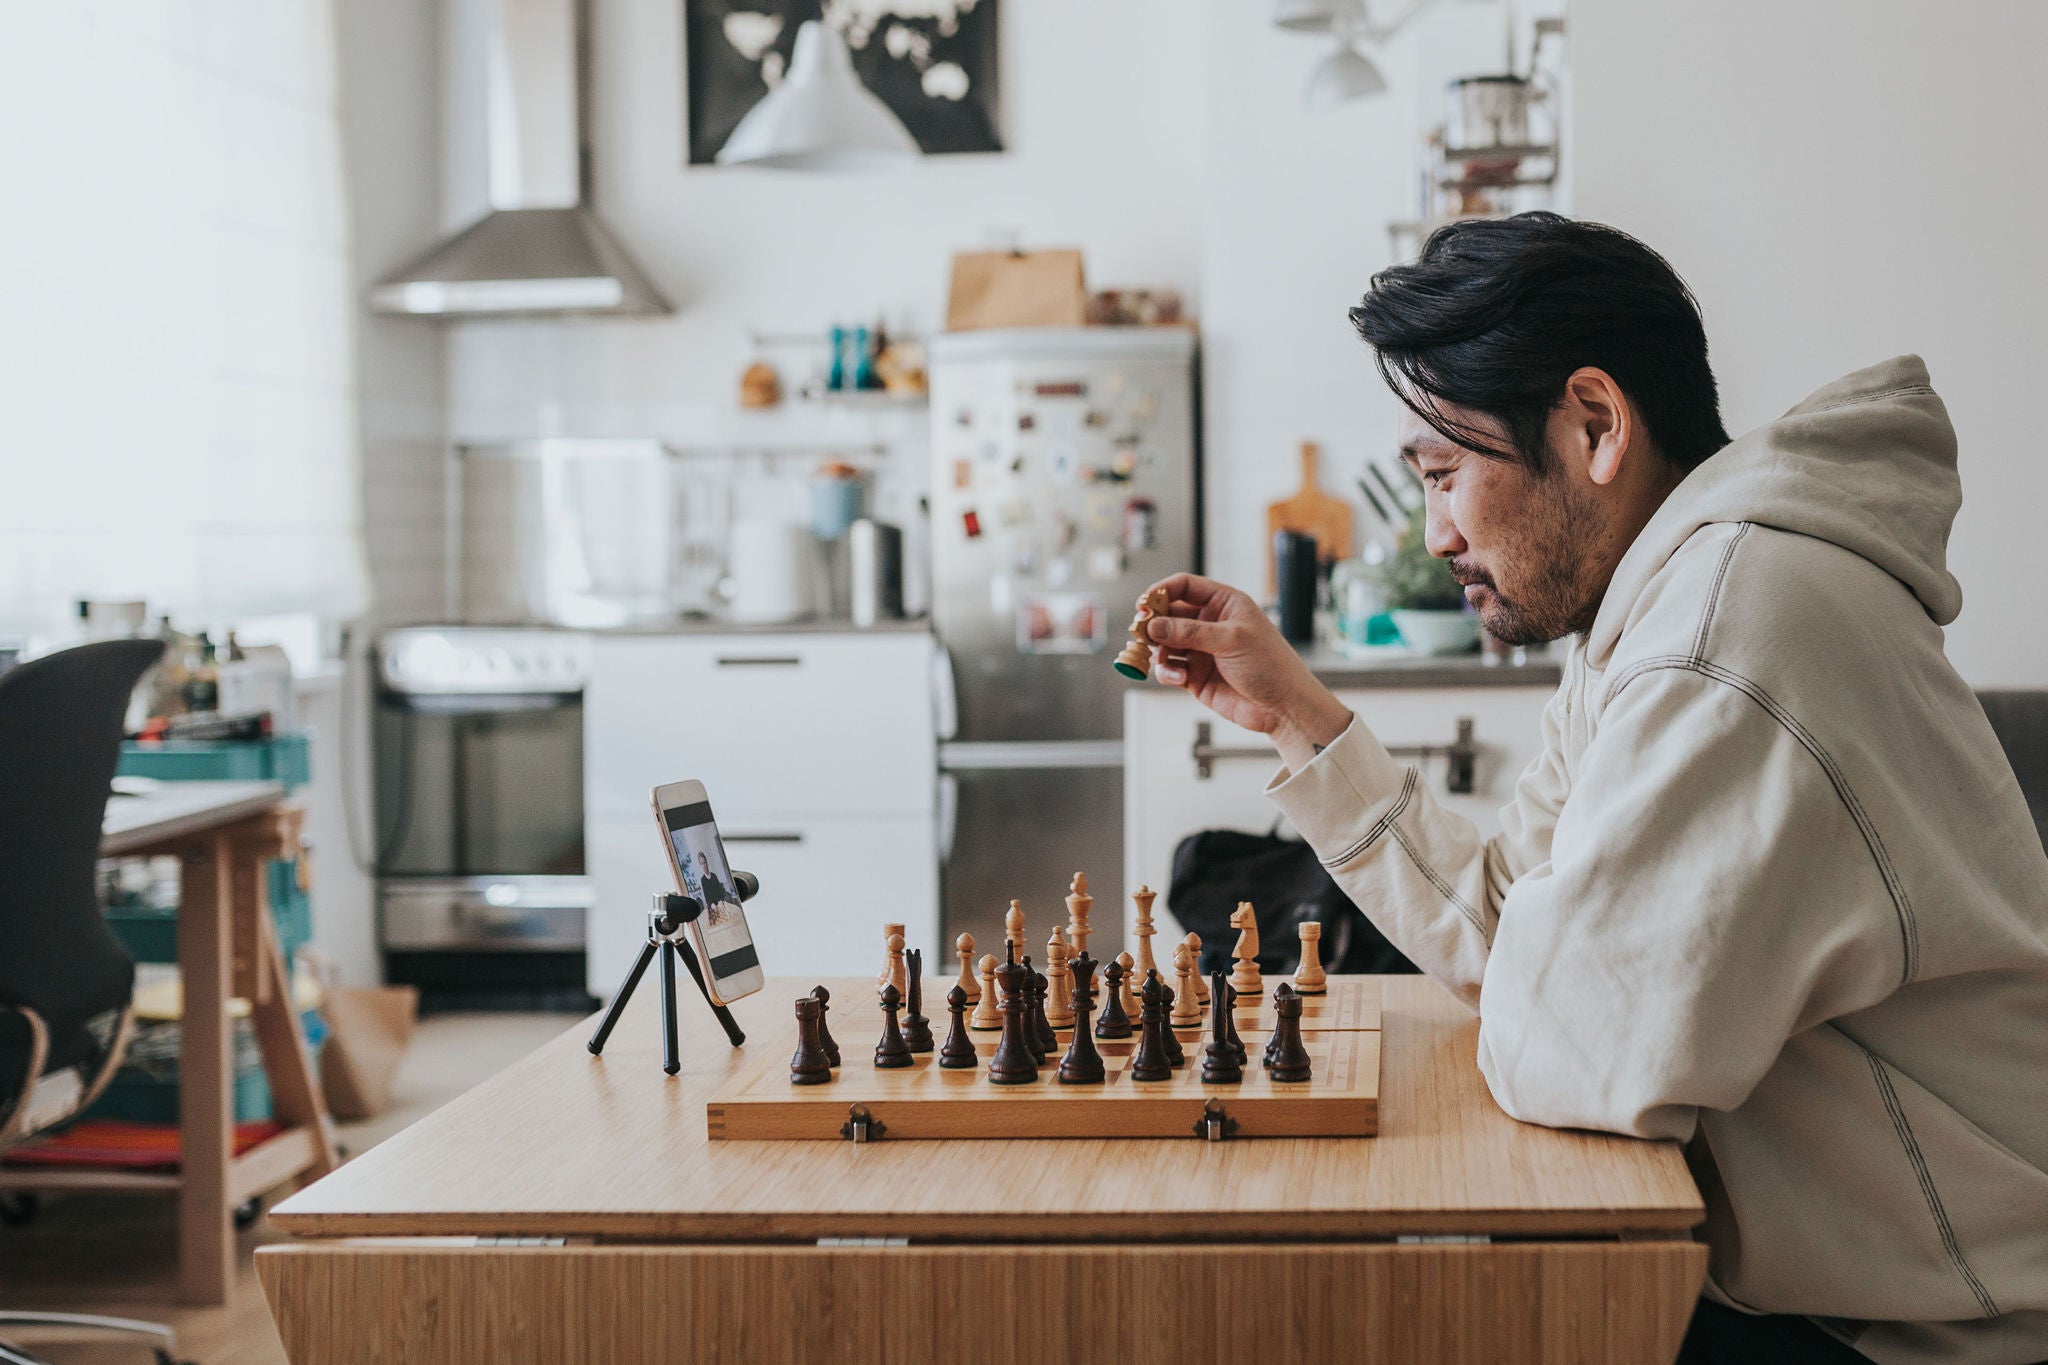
703, 862
1523, 544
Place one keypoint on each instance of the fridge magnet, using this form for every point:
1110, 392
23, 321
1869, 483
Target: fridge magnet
1105, 563
964, 417
1061, 623
1102, 511
970, 522
963, 473
1141, 524
1063, 462
1024, 561
1027, 421
934, 65
1114, 383
1014, 512
1145, 407
1125, 464
1096, 418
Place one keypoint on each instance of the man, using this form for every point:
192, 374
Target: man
714, 895
1771, 889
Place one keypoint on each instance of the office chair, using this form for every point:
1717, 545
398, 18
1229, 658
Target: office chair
2020, 720
65, 981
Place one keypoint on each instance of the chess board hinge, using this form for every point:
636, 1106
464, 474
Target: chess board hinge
863, 1242
861, 1126
1215, 1125
1445, 1239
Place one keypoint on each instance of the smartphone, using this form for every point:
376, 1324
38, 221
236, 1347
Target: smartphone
724, 943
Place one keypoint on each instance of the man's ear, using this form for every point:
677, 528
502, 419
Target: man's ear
1602, 424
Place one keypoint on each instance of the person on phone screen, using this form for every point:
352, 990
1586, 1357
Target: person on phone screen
1771, 888
713, 896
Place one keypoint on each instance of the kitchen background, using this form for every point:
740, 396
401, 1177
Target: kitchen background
204, 413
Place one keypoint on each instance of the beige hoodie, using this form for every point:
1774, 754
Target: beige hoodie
1771, 890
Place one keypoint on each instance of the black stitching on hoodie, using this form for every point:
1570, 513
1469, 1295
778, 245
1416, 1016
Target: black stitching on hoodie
1890, 1096
1699, 639
1380, 826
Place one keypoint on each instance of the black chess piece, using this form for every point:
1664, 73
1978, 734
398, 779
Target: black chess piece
1032, 1038
1114, 1023
1149, 1062
1014, 1063
1083, 1063
1219, 1059
1176, 1056
957, 1052
1273, 1040
917, 1030
1041, 986
892, 1051
1228, 996
810, 1065
824, 999
1290, 1058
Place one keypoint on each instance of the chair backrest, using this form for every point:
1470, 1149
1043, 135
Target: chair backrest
60, 741
2020, 720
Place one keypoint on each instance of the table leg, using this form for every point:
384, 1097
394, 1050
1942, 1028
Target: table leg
206, 1243
294, 1090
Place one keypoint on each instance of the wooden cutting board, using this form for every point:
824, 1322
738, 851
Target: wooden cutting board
1312, 512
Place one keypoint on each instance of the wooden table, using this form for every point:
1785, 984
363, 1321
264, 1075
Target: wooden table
224, 833
572, 1209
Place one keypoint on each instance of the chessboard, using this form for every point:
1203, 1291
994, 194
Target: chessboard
1350, 1003
925, 1101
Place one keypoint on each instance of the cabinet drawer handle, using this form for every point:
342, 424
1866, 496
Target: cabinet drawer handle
762, 838
760, 661
1459, 755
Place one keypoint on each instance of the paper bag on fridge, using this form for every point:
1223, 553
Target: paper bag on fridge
1016, 289
368, 1033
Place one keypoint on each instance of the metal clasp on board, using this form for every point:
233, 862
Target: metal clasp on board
861, 1126
1215, 1125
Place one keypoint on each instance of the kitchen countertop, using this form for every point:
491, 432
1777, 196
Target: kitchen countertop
815, 626
1394, 666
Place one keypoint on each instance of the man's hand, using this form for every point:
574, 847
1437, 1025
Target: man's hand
1214, 642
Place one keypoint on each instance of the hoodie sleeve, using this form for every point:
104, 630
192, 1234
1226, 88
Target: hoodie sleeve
1707, 896
1422, 873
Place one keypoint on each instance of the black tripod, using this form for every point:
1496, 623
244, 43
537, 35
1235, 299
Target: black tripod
665, 935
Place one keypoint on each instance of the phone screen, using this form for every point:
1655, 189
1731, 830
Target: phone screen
728, 943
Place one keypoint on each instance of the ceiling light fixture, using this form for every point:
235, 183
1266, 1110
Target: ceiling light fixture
820, 117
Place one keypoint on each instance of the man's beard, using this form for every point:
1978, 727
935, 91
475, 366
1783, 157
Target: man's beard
1547, 568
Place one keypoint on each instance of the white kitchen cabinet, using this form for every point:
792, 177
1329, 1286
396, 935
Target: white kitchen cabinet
1166, 798
819, 756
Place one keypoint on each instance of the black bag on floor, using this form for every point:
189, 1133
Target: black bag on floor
1217, 868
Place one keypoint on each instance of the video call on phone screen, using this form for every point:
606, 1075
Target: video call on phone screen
708, 880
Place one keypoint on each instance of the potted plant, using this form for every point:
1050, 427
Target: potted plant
1427, 604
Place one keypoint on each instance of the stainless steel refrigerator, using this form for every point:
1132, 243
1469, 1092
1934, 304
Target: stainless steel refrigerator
1067, 480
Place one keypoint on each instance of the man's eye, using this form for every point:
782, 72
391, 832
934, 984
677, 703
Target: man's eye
1435, 477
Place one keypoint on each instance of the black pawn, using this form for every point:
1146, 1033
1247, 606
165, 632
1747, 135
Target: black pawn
1014, 1063
1033, 1039
810, 1065
957, 1052
1149, 1062
1175, 1055
892, 1051
1273, 1041
1219, 1059
1041, 986
1083, 1064
917, 1030
1228, 995
824, 999
1114, 1023
1290, 1058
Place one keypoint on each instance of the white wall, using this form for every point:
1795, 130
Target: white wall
174, 347
1841, 181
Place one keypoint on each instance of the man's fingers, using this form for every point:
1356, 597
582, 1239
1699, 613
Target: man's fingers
1186, 632
1186, 587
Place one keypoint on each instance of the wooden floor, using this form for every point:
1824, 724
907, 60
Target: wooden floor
118, 1254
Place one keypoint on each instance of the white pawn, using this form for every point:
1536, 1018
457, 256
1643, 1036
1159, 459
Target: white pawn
1187, 1006
1194, 945
1059, 991
1013, 930
1127, 991
899, 971
968, 981
986, 1015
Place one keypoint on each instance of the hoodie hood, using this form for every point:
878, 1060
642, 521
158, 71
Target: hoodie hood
1867, 463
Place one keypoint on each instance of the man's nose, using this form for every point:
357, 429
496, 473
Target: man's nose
1440, 535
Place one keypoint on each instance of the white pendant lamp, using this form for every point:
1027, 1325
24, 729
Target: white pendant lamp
1345, 75
820, 118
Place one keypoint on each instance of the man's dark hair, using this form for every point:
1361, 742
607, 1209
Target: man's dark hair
1496, 314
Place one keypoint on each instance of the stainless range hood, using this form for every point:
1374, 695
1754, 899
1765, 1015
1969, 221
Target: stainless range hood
540, 250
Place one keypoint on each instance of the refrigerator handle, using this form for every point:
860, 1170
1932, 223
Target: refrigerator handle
948, 815
945, 697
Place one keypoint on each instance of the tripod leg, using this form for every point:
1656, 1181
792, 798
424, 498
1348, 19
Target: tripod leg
625, 993
671, 1061
732, 1025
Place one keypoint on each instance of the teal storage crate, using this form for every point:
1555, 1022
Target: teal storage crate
151, 1096
285, 758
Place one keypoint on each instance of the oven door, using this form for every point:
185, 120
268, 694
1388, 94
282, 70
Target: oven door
479, 786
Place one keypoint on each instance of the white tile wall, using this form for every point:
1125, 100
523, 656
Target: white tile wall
176, 364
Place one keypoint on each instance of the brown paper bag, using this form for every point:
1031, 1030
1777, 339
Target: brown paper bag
368, 1033
1016, 289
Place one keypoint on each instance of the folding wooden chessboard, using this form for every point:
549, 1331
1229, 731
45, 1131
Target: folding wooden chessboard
1341, 1099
